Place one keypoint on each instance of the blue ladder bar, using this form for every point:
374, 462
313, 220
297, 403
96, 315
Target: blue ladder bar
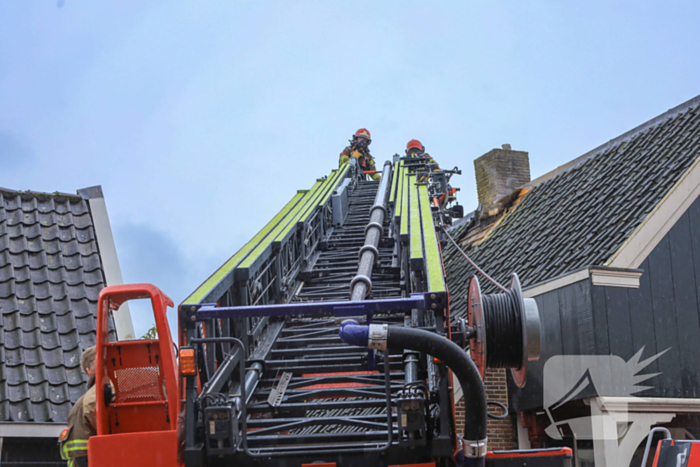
421, 301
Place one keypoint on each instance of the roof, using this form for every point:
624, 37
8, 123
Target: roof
581, 213
50, 278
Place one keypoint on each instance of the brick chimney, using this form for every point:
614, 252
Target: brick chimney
498, 173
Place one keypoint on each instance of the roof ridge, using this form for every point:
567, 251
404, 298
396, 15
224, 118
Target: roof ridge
55, 194
624, 137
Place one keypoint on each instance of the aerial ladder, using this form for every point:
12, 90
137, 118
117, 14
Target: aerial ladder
327, 339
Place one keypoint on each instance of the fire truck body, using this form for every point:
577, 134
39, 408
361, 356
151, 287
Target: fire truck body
326, 339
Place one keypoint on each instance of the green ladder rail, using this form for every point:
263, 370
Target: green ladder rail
218, 280
279, 230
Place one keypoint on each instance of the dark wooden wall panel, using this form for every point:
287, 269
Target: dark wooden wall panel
569, 320
584, 315
694, 214
667, 384
551, 323
642, 318
619, 322
600, 320
686, 305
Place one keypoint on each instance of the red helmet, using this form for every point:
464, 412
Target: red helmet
363, 133
414, 144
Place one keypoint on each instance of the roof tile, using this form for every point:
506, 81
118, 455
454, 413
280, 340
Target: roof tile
30, 341
47, 323
65, 323
37, 260
74, 392
19, 392
20, 412
50, 340
7, 272
16, 373
58, 394
56, 375
60, 411
75, 375
53, 358
71, 358
38, 392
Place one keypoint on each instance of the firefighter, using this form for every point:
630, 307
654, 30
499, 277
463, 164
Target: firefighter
415, 148
82, 422
359, 149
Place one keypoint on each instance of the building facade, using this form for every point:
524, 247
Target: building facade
609, 247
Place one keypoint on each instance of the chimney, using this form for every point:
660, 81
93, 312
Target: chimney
498, 173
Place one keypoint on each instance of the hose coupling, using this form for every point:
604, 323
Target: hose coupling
474, 448
377, 336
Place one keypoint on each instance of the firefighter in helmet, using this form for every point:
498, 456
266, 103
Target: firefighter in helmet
82, 422
359, 149
415, 148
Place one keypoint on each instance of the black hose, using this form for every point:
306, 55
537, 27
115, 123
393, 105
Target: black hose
504, 330
461, 365
502, 406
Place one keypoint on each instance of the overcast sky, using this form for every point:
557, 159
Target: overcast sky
201, 119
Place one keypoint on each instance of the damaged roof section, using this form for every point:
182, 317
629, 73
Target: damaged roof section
483, 222
50, 278
581, 214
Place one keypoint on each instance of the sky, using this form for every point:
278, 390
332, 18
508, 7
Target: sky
200, 120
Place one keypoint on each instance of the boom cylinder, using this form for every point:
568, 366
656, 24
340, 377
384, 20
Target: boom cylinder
361, 284
252, 376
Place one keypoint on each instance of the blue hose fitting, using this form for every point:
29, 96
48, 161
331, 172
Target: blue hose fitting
354, 334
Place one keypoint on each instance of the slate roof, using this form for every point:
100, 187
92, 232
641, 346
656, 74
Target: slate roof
50, 278
581, 216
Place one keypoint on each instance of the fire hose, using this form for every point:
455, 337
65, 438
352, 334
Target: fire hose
383, 337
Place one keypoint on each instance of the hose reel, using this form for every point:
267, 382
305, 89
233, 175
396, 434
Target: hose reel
505, 329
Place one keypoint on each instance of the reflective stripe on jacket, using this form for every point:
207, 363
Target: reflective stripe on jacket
72, 447
425, 155
82, 423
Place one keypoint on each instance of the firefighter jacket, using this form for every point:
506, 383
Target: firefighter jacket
82, 424
427, 156
366, 161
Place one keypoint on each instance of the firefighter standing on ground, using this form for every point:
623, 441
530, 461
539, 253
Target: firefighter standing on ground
82, 422
359, 149
415, 148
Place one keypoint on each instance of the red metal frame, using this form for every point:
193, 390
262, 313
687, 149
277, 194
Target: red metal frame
528, 453
692, 459
475, 317
450, 375
141, 432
